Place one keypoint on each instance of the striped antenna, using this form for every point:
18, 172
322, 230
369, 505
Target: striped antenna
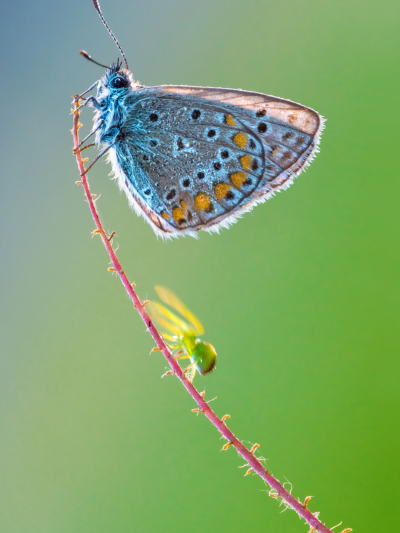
97, 8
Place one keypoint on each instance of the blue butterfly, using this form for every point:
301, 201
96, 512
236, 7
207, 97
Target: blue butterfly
197, 158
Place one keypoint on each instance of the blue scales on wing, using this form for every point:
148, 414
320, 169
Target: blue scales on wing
196, 158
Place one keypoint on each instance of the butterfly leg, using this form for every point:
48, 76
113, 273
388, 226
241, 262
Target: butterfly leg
87, 91
85, 139
96, 159
87, 146
92, 99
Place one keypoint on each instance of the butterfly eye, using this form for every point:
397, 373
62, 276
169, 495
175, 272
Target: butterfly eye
118, 82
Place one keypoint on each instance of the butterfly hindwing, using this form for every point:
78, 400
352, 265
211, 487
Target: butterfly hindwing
194, 158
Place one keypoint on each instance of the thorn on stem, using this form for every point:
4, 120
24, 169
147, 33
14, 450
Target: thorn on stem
111, 236
79, 126
202, 394
79, 183
225, 417
226, 446
168, 373
347, 530
141, 304
197, 410
273, 493
308, 498
254, 448
111, 269
133, 285
84, 160
155, 349
95, 232
249, 471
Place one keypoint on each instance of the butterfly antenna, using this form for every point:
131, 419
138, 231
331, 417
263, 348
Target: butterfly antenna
89, 58
97, 8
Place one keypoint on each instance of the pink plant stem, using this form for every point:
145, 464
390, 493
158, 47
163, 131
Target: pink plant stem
203, 407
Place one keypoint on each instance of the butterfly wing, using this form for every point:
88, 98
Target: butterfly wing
194, 158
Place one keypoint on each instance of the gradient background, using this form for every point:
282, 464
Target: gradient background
300, 298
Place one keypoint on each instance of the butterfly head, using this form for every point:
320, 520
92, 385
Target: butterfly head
117, 78
116, 82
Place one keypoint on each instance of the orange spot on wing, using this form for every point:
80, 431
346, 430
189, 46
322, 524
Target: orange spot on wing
178, 214
183, 205
238, 178
221, 189
165, 215
229, 120
240, 139
202, 201
245, 161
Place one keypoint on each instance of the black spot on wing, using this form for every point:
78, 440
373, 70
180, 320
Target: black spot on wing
171, 194
262, 127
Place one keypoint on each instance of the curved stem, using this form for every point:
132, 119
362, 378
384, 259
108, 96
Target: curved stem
248, 455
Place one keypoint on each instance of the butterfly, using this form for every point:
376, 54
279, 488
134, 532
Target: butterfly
198, 158
184, 338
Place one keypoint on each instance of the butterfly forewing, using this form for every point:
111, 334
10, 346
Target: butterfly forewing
199, 157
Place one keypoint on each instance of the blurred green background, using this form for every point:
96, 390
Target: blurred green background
300, 298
